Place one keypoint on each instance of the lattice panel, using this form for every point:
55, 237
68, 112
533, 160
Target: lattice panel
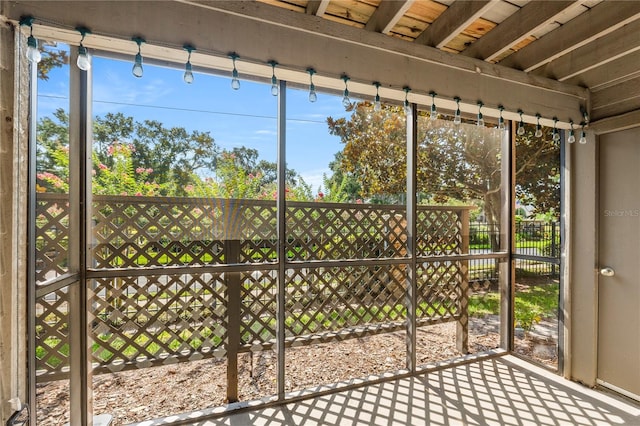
148, 231
438, 232
258, 294
141, 231
259, 242
344, 231
155, 319
52, 235
150, 320
440, 290
151, 231
323, 300
52, 335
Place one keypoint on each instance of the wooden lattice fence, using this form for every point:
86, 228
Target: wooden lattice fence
345, 276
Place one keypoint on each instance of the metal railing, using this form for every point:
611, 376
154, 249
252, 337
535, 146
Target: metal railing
537, 249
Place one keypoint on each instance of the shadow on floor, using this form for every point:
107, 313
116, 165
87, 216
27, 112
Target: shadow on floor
498, 391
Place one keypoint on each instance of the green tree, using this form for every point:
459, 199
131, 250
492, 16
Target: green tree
52, 136
121, 177
248, 159
340, 186
374, 148
538, 172
56, 177
234, 180
173, 153
51, 58
110, 129
454, 162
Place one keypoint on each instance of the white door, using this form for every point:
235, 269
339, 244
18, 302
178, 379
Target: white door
619, 258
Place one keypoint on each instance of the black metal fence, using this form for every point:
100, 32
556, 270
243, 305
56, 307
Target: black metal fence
537, 249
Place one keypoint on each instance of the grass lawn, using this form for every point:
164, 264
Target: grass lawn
533, 303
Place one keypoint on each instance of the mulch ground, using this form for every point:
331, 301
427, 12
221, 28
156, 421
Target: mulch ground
138, 395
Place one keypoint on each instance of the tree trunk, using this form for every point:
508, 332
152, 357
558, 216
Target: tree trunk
492, 212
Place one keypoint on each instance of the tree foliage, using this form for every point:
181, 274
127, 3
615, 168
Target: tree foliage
339, 186
248, 159
51, 59
173, 153
147, 158
459, 162
374, 148
454, 162
538, 172
235, 178
122, 177
52, 150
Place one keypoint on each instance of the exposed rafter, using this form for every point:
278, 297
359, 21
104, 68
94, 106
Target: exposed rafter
387, 15
629, 104
453, 21
615, 72
615, 124
317, 7
602, 19
621, 42
516, 28
616, 99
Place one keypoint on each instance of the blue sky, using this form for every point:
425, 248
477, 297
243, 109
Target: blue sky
246, 117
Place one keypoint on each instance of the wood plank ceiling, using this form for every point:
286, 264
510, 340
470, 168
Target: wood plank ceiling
590, 43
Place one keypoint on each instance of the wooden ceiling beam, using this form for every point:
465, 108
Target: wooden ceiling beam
618, 123
516, 28
453, 21
317, 7
615, 72
613, 110
614, 95
599, 21
387, 15
621, 42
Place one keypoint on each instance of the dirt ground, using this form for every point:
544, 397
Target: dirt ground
138, 395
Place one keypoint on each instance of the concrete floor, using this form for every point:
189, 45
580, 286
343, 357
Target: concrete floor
498, 391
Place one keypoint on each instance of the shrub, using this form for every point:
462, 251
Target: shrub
549, 249
479, 236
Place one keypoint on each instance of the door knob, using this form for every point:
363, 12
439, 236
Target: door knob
607, 272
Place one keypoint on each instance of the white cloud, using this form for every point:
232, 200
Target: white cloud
265, 132
314, 177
